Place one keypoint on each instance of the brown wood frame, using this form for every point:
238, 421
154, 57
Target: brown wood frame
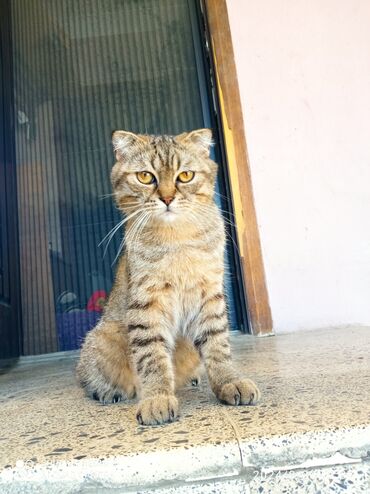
239, 170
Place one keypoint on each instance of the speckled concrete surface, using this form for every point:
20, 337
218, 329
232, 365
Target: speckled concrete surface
344, 479
316, 402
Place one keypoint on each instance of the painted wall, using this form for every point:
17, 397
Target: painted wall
304, 76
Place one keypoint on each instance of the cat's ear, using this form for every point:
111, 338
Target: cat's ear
125, 143
201, 139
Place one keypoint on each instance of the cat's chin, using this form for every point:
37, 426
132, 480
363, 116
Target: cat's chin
168, 217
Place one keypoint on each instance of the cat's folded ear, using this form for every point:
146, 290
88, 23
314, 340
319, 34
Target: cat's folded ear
125, 143
201, 139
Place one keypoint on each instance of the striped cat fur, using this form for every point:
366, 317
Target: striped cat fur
166, 316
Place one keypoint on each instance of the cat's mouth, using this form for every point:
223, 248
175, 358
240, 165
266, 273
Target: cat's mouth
168, 215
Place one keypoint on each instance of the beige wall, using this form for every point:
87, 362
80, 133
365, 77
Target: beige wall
304, 76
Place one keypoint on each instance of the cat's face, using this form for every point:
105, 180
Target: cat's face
168, 179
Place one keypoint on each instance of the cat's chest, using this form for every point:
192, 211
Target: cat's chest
188, 267
185, 274
192, 279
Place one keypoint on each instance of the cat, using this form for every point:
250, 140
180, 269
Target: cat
166, 313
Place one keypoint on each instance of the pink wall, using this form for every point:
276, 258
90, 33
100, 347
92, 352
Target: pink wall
304, 76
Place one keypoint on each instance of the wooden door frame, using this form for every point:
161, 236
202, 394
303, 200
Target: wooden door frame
10, 314
238, 164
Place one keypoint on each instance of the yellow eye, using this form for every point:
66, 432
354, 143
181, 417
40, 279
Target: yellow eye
185, 177
146, 178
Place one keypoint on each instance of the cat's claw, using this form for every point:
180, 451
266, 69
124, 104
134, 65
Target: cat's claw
157, 410
243, 392
107, 400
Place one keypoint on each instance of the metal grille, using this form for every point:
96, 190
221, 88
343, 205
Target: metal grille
83, 68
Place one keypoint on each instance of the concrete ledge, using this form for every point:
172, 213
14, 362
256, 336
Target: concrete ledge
252, 464
310, 431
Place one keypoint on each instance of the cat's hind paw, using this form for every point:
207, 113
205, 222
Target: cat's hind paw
107, 394
108, 399
243, 392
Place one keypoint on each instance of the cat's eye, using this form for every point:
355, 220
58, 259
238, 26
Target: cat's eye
185, 177
146, 178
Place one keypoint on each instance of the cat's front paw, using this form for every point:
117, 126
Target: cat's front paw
243, 392
157, 410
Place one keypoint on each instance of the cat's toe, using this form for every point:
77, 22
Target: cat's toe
243, 392
107, 398
157, 410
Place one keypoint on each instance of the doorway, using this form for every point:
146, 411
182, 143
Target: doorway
81, 69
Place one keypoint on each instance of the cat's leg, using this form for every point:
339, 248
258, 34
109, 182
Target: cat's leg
105, 370
212, 341
152, 343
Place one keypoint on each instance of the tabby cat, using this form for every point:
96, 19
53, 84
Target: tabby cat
167, 307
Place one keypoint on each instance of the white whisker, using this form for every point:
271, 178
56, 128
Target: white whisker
126, 235
203, 208
139, 228
207, 208
106, 196
221, 195
111, 234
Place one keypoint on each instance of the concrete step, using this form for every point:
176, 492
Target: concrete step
310, 433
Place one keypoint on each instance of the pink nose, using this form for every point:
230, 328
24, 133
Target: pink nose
167, 200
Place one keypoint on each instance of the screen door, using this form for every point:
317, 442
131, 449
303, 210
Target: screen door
9, 256
83, 68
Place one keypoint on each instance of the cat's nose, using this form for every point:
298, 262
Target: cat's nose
167, 200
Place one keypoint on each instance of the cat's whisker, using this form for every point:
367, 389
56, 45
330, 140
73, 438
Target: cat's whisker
193, 209
133, 227
119, 251
115, 228
129, 209
145, 222
111, 234
144, 207
130, 204
195, 219
221, 195
106, 196
233, 241
229, 222
206, 208
226, 212
125, 236
198, 219
140, 228
130, 231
